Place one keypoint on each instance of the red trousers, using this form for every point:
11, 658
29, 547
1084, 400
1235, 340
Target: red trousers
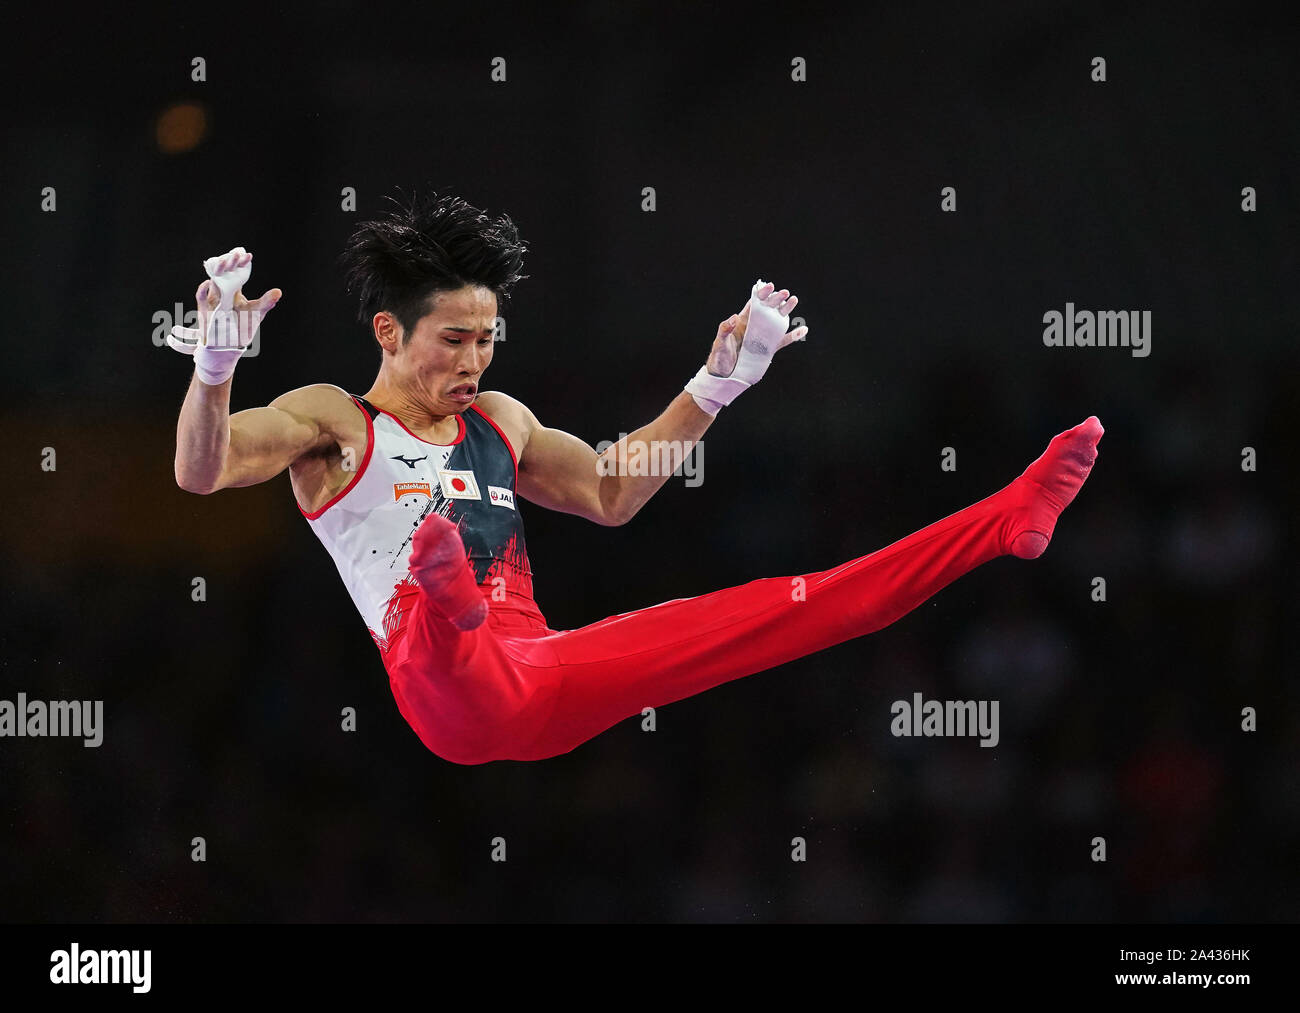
513, 689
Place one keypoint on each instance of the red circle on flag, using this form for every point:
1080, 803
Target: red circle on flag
458, 484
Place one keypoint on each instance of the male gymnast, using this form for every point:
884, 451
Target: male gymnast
413, 489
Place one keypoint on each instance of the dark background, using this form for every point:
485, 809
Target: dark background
1118, 719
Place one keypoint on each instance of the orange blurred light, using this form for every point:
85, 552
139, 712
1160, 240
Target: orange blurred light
181, 127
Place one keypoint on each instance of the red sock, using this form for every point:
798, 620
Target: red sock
1049, 485
439, 566
1017, 520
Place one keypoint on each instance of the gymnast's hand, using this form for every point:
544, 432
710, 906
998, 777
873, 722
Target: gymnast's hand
224, 290
227, 320
767, 327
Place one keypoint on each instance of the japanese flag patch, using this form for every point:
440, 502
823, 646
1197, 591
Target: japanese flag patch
458, 484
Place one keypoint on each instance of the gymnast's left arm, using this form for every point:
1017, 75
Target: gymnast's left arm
561, 472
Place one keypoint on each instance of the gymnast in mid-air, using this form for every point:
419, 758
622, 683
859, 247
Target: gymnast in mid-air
415, 489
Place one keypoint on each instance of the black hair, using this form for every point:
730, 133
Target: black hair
423, 246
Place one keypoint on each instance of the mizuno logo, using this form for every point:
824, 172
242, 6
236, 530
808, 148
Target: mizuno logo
412, 462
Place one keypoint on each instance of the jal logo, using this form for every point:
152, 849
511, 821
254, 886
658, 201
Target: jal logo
401, 489
458, 484
498, 496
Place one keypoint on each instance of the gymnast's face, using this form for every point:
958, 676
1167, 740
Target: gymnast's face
449, 349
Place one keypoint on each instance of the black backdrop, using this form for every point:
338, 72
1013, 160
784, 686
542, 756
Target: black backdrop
1120, 719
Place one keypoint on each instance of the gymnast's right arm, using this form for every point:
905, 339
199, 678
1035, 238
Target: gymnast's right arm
215, 450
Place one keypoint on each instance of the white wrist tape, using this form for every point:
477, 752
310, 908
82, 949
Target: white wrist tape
711, 392
217, 352
763, 334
